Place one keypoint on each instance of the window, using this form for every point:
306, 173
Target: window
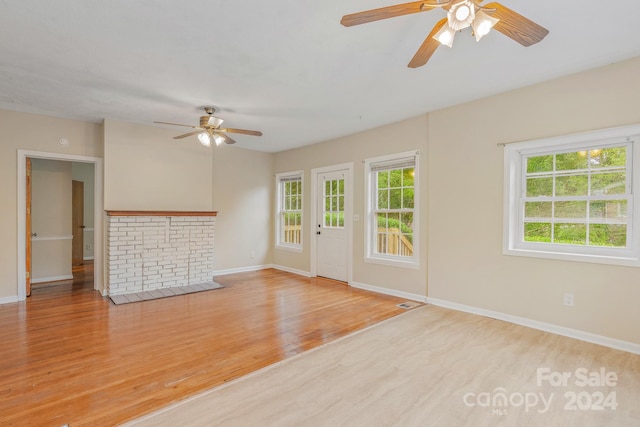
392, 218
333, 196
573, 198
289, 218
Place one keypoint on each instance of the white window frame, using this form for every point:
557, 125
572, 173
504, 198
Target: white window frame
371, 218
281, 178
514, 180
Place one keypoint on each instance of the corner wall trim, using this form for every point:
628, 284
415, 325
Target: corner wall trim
9, 300
541, 326
387, 291
291, 270
261, 267
240, 269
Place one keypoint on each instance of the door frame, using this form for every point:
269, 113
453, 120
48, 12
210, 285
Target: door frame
28, 225
347, 168
22, 213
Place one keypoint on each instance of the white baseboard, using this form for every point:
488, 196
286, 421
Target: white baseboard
387, 291
87, 258
541, 326
240, 269
261, 267
8, 300
52, 279
291, 270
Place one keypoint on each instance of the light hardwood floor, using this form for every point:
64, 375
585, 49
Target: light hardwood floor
429, 367
69, 356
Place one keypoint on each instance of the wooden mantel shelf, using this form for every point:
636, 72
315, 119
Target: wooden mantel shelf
162, 213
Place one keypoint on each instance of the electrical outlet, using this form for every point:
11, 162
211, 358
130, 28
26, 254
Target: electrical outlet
568, 299
88, 246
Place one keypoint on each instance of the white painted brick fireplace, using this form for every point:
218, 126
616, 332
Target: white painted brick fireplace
154, 250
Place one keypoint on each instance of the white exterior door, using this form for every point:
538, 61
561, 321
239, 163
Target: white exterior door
330, 228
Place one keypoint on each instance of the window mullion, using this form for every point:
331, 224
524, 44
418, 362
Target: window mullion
589, 194
553, 203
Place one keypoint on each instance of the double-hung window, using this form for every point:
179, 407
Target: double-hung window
574, 198
289, 215
392, 204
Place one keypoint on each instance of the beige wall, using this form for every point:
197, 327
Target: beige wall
243, 196
396, 138
37, 133
51, 219
466, 264
146, 169
84, 172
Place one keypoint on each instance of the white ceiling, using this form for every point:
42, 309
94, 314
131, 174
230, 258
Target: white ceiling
285, 67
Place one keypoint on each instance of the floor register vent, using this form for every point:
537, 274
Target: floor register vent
407, 305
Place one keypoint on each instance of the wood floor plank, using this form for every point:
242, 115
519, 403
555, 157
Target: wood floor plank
429, 367
69, 356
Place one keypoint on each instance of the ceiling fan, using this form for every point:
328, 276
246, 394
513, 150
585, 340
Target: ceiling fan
460, 14
210, 130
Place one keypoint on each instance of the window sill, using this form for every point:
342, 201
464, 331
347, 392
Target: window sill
393, 262
297, 249
563, 256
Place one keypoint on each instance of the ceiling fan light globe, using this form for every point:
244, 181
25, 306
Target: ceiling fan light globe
204, 139
462, 13
218, 139
483, 24
445, 36
483, 28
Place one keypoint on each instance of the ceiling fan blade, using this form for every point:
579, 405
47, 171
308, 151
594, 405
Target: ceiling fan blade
177, 124
428, 47
228, 139
387, 12
187, 134
242, 131
514, 25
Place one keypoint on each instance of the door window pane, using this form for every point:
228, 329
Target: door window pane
334, 203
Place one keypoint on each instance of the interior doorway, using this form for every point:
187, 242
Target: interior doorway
25, 273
